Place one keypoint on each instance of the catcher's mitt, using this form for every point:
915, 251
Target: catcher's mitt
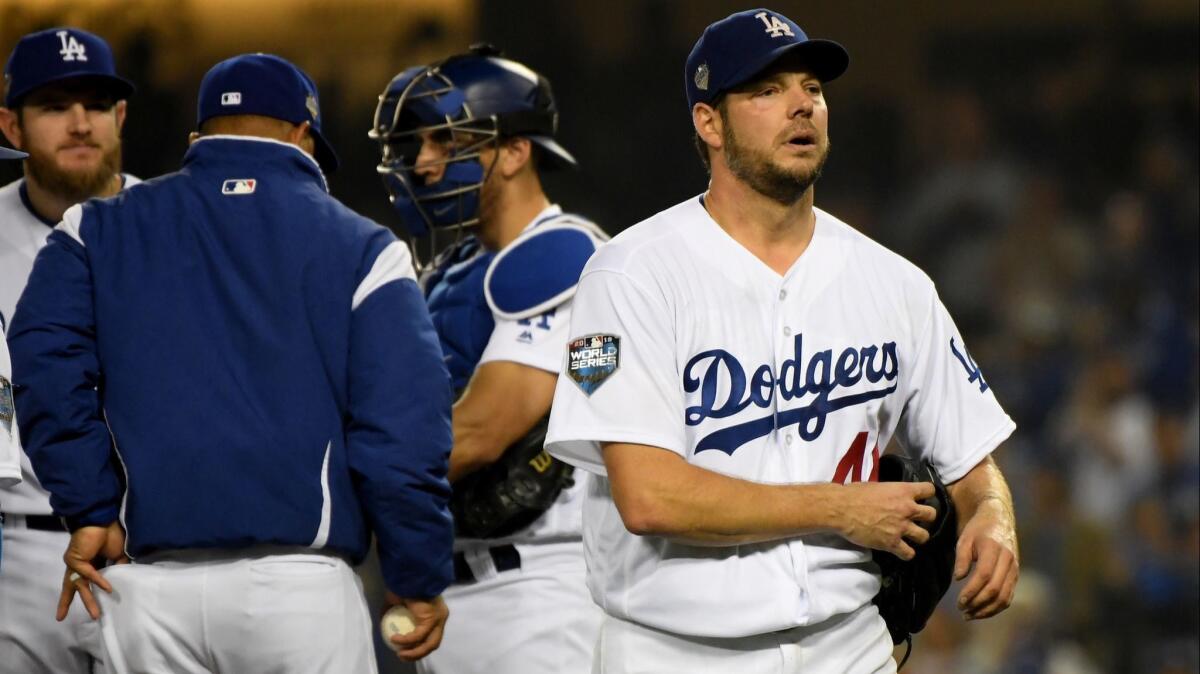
511, 493
911, 590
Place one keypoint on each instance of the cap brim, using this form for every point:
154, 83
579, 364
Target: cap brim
555, 156
8, 153
120, 88
826, 58
326, 158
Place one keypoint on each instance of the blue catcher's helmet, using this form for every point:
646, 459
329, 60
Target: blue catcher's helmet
467, 102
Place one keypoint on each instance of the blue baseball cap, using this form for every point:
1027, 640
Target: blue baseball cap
58, 54
7, 153
266, 85
733, 50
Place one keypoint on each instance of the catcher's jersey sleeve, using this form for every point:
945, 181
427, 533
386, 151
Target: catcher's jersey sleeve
536, 342
10, 444
618, 382
951, 415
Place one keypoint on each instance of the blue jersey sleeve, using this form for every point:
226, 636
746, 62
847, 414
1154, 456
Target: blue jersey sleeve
398, 434
58, 383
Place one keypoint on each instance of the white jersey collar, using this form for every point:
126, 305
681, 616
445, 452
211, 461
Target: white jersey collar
721, 245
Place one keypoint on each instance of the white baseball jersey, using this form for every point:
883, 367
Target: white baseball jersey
22, 234
684, 340
538, 618
10, 440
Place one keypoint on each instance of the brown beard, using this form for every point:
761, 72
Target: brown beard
755, 168
74, 186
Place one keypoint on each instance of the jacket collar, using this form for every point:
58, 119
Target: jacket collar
222, 149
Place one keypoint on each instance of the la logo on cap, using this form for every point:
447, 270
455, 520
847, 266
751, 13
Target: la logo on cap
774, 26
71, 49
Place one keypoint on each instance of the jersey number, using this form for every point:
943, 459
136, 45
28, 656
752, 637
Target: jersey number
850, 468
544, 323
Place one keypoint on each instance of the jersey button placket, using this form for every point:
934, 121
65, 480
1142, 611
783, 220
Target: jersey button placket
782, 350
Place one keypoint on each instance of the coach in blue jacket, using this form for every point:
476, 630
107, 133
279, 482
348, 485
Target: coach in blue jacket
229, 379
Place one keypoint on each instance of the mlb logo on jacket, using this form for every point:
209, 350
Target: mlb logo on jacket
239, 186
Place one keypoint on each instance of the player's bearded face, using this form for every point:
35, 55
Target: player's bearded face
71, 182
73, 140
758, 168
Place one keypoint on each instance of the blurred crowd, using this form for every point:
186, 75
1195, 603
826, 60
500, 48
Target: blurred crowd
1059, 217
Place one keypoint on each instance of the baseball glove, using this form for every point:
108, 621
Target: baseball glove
511, 493
911, 590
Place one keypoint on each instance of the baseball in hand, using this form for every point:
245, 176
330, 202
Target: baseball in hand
398, 621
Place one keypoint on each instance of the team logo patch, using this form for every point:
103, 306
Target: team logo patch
6, 405
310, 102
701, 77
592, 359
239, 186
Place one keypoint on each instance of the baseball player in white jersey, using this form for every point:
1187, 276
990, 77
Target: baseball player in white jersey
737, 363
64, 104
463, 143
10, 440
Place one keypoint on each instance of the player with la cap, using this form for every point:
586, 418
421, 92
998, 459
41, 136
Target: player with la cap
64, 104
464, 142
229, 382
736, 363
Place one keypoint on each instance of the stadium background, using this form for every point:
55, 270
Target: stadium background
1038, 159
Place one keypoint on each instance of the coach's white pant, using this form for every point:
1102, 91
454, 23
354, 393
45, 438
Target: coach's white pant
855, 643
538, 619
197, 612
31, 576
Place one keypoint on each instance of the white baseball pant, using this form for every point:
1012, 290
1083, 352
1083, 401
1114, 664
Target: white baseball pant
31, 576
194, 612
853, 643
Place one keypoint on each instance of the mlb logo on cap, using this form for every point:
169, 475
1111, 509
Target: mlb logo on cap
269, 86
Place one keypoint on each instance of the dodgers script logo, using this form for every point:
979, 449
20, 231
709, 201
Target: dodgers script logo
821, 376
591, 360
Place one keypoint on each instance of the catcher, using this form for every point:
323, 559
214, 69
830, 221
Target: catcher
463, 145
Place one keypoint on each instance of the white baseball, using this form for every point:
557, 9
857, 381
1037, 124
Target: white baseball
397, 621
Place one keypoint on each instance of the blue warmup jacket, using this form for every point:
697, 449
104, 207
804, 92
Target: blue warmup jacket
227, 356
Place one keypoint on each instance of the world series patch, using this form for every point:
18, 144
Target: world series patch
6, 404
592, 359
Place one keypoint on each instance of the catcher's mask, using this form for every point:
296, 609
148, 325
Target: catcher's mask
462, 105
